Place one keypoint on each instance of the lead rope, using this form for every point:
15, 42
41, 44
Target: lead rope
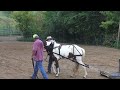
73, 49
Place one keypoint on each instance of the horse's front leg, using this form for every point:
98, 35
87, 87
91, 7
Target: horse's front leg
57, 67
53, 67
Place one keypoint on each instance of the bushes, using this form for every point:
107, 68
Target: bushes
115, 45
82, 27
29, 22
30, 39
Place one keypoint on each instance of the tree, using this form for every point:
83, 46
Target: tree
29, 22
7, 13
74, 26
112, 23
7, 25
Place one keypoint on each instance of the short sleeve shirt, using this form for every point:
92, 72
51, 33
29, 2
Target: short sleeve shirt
38, 49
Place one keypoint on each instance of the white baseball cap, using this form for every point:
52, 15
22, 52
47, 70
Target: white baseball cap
49, 37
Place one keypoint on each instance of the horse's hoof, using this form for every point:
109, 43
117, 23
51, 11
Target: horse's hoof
56, 75
48, 72
84, 77
71, 76
55, 72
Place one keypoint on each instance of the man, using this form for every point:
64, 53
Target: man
37, 56
50, 56
49, 38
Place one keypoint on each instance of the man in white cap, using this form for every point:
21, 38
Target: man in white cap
49, 38
50, 56
37, 56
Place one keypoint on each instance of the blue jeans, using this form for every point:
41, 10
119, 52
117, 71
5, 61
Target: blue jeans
38, 65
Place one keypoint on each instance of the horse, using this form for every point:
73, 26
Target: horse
73, 51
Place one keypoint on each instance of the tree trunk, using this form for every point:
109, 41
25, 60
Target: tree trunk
118, 36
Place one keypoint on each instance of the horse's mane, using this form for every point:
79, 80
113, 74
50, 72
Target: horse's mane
55, 43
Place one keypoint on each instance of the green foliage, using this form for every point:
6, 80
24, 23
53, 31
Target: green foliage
84, 27
115, 44
7, 25
106, 24
111, 25
109, 40
112, 18
7, 13
29, 22
24, 19
74, 26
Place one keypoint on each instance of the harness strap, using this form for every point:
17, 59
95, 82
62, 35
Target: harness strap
59, 47
59, 50
78, 55
73, 49
56, 47
77, 49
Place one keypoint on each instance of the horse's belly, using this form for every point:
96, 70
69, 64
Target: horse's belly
65, 53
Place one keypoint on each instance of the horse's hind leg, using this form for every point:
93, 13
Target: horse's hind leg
83, 68
75, 69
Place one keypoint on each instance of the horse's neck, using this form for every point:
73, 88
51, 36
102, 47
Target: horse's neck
56, 44
52, 41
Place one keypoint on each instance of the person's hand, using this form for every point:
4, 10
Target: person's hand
31, 58
48, 53
44, 50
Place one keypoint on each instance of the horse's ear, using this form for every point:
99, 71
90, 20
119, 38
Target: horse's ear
52, 41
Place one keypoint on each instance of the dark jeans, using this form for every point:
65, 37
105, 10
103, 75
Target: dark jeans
51, 59
50, 63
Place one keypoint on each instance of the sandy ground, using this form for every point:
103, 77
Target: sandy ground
15, 61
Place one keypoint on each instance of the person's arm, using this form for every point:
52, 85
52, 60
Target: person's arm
33, 53
34, 50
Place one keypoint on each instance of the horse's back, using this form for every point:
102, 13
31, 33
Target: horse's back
75, 49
